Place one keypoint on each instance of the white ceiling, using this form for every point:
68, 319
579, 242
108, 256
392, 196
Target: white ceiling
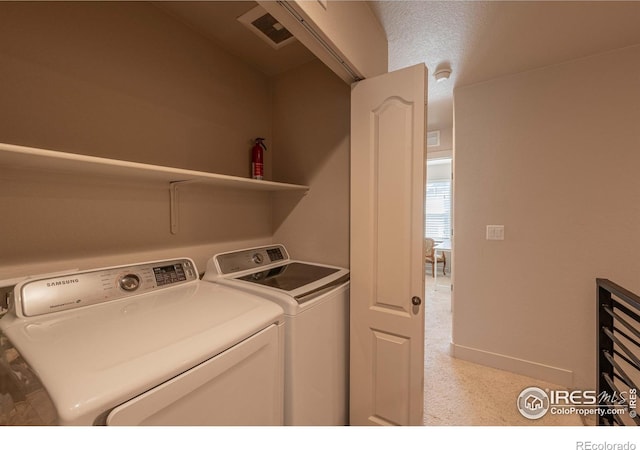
482, 40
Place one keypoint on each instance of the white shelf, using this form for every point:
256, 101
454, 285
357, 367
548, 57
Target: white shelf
19, 157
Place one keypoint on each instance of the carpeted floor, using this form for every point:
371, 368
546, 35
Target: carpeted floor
463, 393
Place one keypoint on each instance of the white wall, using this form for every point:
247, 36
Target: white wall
439, 170
553, 155
311, 110
123, 80
127, 81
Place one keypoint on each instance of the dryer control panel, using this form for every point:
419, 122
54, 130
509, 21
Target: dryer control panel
74, 290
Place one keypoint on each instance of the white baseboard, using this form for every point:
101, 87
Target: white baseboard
555, 375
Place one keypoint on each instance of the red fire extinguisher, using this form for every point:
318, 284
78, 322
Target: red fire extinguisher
257, 159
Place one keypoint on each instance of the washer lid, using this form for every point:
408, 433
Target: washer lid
291, 276
92, 359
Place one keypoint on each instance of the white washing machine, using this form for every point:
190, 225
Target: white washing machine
315, 299
144, 344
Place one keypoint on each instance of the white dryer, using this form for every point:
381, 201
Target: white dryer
315, 299
147, 344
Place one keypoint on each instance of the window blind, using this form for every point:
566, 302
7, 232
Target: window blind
438, 210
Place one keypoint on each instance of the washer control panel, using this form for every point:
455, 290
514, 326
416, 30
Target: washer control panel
75, 290
252, 258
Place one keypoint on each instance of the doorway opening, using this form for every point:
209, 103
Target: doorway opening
438, 216
438, 311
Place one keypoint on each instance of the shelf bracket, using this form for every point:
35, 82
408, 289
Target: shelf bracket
174, 205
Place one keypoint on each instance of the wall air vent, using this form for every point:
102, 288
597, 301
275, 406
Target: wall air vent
433, 138
265, 26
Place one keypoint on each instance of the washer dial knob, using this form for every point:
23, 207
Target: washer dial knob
129, 282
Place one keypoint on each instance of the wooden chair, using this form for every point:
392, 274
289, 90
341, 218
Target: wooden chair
429, 256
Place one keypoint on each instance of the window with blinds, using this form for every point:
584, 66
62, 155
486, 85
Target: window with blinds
438, 210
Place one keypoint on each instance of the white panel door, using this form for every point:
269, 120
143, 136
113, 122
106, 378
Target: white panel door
388, 118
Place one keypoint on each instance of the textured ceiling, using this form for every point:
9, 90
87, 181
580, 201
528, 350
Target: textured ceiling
482, 40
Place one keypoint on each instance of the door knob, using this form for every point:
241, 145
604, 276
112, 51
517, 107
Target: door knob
416, 301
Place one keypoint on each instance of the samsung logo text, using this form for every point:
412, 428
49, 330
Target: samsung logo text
63, 282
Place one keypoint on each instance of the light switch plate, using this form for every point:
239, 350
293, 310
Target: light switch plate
495, 232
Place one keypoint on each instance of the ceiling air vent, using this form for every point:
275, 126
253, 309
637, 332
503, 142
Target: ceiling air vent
266, 27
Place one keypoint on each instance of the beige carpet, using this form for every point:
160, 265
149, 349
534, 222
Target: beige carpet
462, 393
